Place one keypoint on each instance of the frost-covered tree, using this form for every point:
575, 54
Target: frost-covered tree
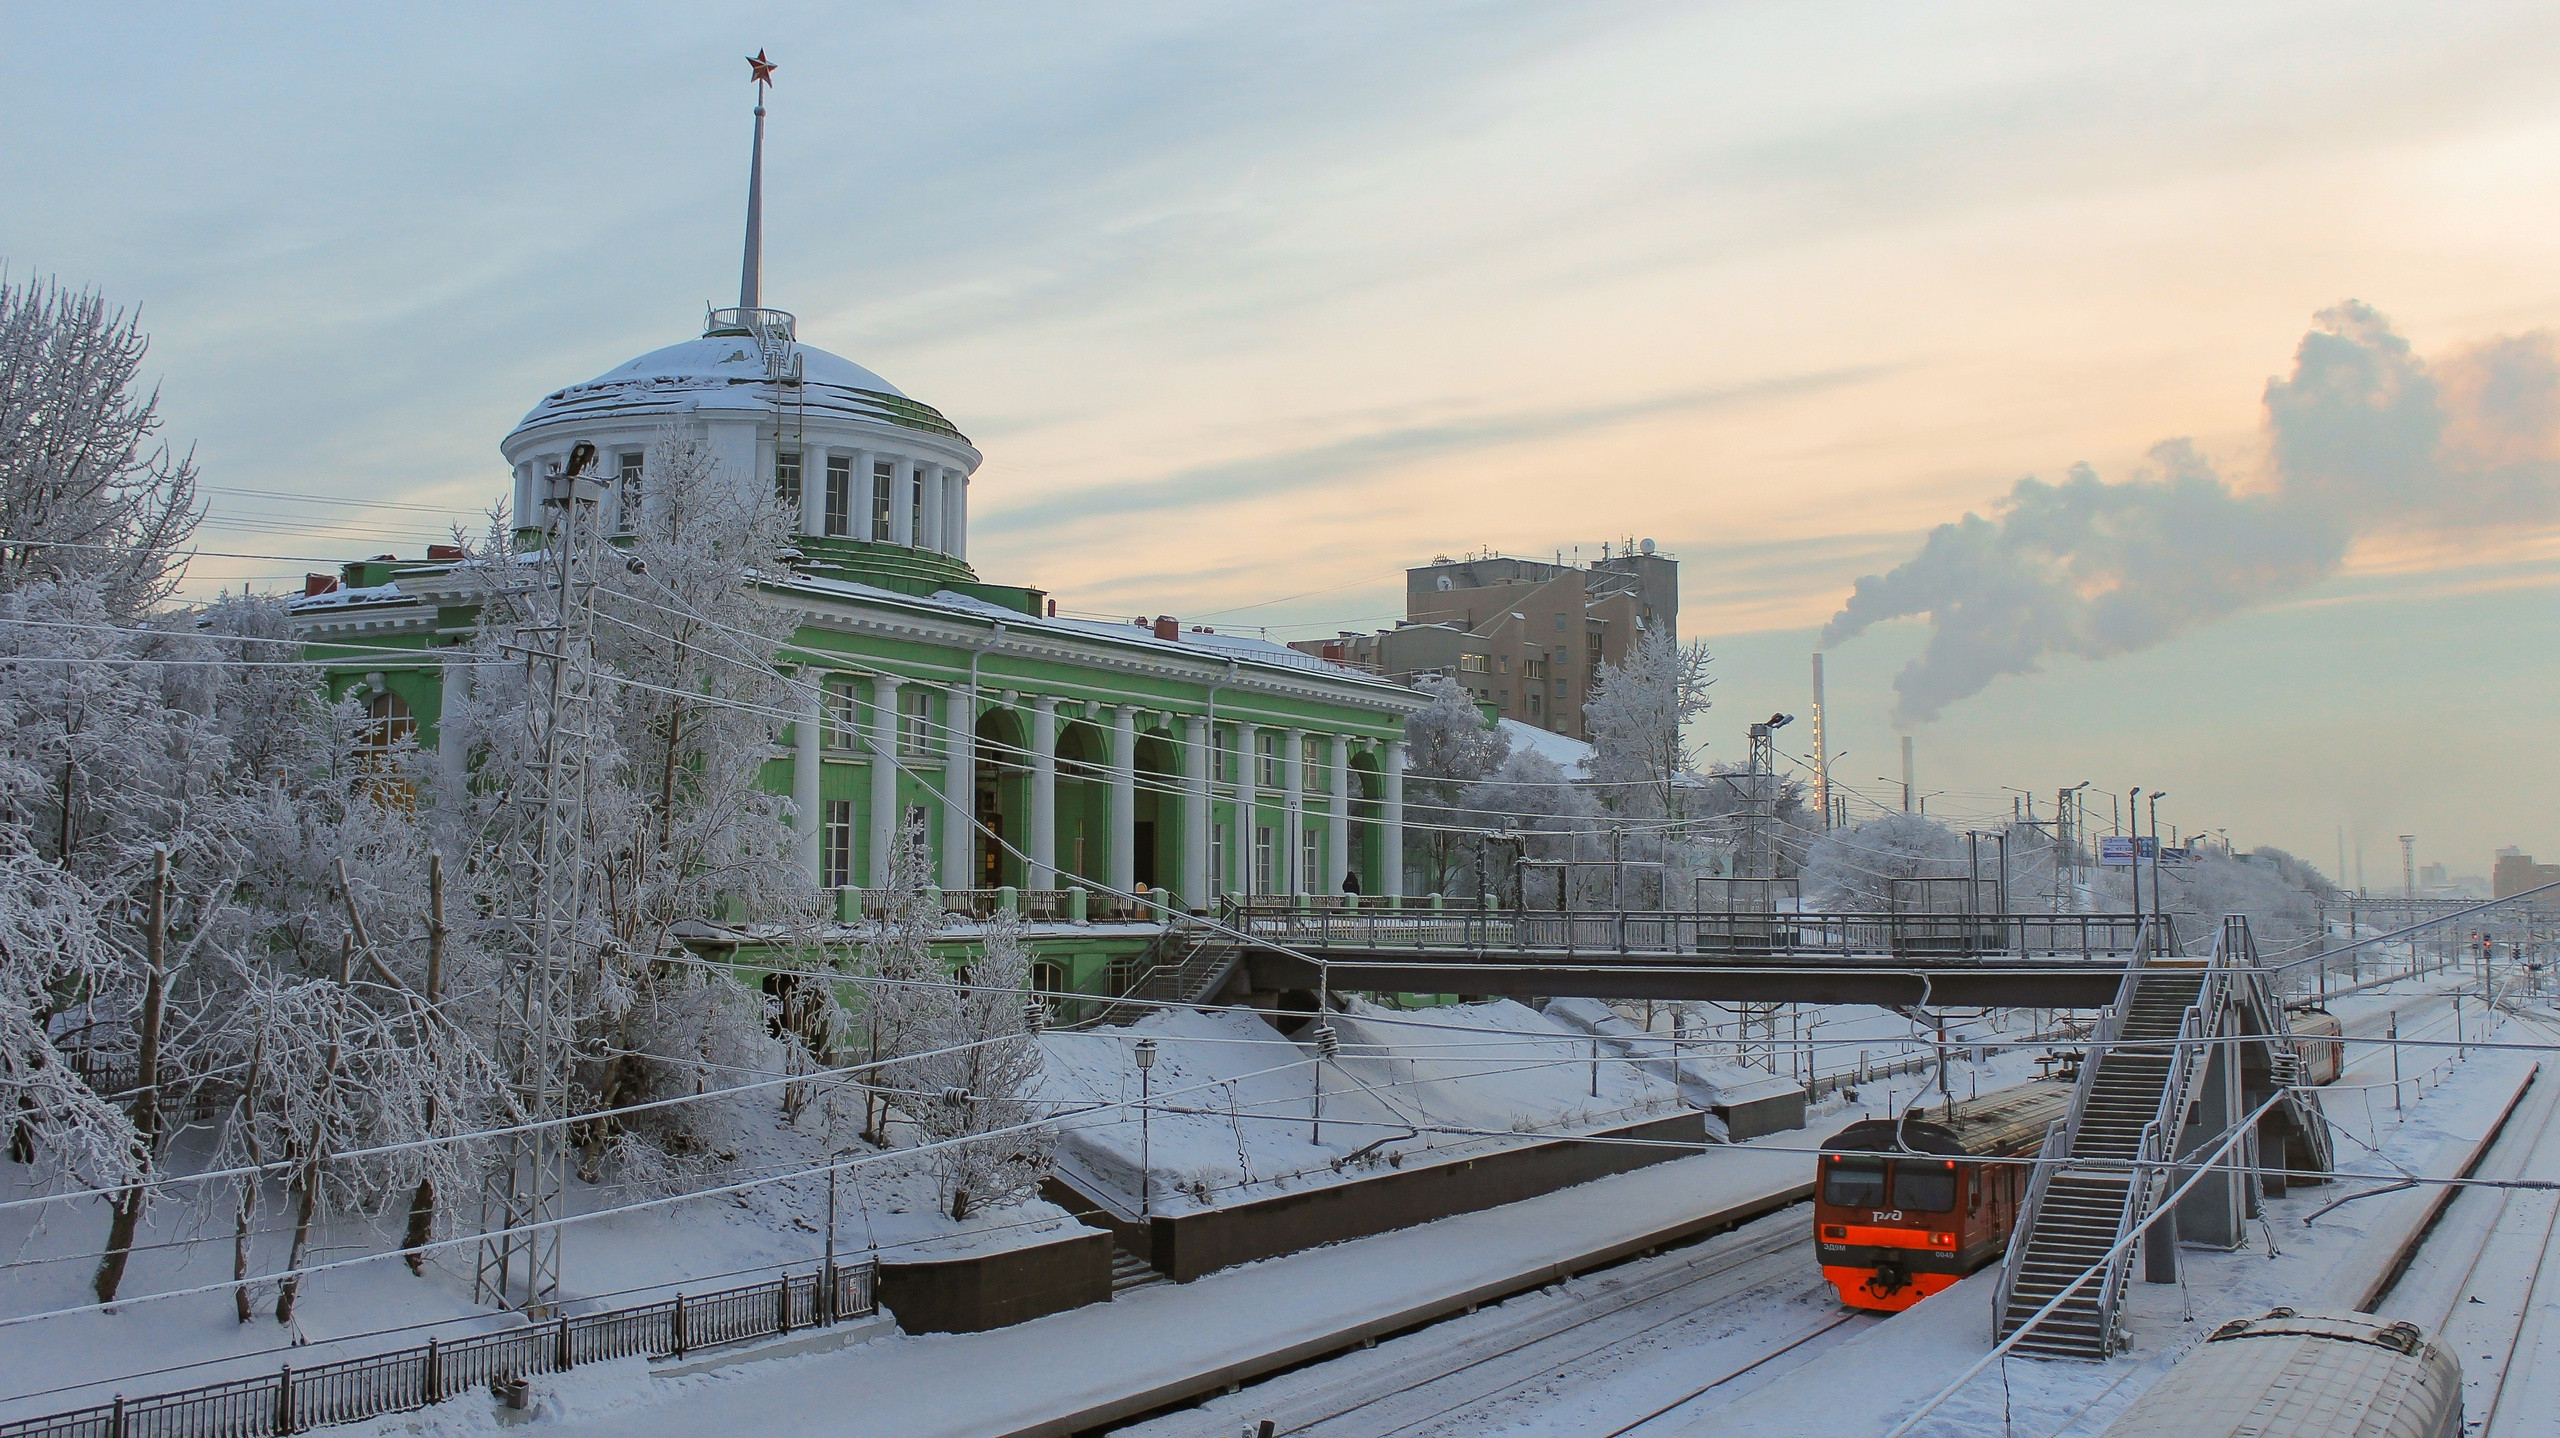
901, 1007
55, 963
1639, 719
1538, 814
1860, 869
968, 1086
677, 702
1450, 746
87, 491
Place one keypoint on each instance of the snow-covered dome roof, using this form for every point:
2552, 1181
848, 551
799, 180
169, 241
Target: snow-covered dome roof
736, 366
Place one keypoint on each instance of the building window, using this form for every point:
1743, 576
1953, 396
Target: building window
1266, 855
1266, 748
1222, 767
1505, 663
884, 479
835, 844
839, 494
786, 478
1311, 757
842, 728
915, 722
1218, 856
1311, 878
1502, 697
1474, 664
628, 500
1534, 668
915, 515
1533, 701
1559, 623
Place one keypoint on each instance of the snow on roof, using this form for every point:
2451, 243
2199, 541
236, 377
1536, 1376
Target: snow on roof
342, 597
1562, 750
728, 372
1243, 648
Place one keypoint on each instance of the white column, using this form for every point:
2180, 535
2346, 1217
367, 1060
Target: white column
1293, 824
884, 776
1248, 799
902, 489
960, 790
960, 515
1195, 813
805, 759
1338, 833
1391, 822
813, 493
1124, 799
1042, 845
929, 480
857, 520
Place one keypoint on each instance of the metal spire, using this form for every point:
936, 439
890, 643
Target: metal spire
751, 270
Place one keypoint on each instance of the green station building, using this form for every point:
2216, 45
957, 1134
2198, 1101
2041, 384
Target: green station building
1044, 754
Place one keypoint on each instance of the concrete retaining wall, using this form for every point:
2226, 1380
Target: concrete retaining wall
994, 1290
1186, 1246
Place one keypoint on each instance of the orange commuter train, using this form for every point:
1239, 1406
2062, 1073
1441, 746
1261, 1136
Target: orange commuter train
1904, 1208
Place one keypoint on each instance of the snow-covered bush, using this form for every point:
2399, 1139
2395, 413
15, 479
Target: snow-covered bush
1857, 869
969, 1089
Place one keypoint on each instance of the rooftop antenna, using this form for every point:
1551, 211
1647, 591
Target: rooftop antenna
751, 270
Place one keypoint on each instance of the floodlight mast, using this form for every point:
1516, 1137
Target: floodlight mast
522, 1197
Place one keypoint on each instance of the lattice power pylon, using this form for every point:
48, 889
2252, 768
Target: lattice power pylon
521, 1199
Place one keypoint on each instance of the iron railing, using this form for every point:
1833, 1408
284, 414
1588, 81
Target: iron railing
1749, 934
295, 1400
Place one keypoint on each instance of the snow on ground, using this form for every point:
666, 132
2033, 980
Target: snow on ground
1153, 1338
1233, 1116
148, 1346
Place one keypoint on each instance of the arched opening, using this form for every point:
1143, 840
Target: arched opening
1084, 802
1003, 769
1159, 810
1368, 788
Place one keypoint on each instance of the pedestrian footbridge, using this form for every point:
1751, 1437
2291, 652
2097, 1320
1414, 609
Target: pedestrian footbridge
1960, 959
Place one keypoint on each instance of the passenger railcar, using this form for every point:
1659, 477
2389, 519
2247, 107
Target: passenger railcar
2294, 1375
2317, 1038
1903, 1208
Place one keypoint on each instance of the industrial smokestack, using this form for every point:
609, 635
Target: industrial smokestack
1821, 748
1909, 786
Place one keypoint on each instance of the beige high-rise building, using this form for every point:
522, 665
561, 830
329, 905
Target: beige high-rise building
1527, 637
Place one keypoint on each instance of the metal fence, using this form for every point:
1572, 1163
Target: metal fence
1675, 932
296, 1399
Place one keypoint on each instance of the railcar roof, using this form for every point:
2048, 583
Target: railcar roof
2012, 1121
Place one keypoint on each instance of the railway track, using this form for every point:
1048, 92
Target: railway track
1615, 1352
2484, 1282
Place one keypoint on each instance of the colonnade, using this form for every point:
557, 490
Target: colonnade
928, 501
1266, 848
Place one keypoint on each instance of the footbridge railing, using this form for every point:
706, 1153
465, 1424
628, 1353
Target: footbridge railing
1640, 932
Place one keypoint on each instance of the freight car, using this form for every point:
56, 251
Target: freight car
2293, 1375
1903, 1208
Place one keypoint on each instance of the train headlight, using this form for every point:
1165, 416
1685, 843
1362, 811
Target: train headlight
1835, 1231
1942, 1240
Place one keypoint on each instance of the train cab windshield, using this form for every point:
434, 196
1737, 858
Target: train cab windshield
1853, 1183
1924, 1187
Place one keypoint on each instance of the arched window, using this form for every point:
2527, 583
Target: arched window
390, 723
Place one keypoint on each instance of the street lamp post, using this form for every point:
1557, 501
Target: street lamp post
2156, 913
1146, 1129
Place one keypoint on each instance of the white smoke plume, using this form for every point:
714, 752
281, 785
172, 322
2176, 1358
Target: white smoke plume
2364, 437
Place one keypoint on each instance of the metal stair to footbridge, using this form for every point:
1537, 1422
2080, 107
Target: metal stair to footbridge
2129, 1120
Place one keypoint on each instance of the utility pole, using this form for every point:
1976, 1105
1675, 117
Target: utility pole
521, 1202
1909, 787
2410, 894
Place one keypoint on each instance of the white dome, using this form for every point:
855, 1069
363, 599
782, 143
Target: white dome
728, 371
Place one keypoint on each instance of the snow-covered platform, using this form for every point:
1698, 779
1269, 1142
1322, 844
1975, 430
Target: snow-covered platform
1160, 1345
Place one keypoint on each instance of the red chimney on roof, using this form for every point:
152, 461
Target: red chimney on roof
1168, 627
316, 584
444, 551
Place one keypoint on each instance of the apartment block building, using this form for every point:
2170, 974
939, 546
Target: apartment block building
1526, 637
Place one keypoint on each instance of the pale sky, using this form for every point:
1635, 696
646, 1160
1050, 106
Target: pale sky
1249, 307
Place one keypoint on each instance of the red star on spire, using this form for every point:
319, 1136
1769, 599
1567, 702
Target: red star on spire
761, 69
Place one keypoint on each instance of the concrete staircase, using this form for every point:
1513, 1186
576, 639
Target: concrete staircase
1129, 1271
2072, 1218
1188, 966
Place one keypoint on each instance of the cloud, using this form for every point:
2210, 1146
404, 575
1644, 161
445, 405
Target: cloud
1340, 461
2364, 437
